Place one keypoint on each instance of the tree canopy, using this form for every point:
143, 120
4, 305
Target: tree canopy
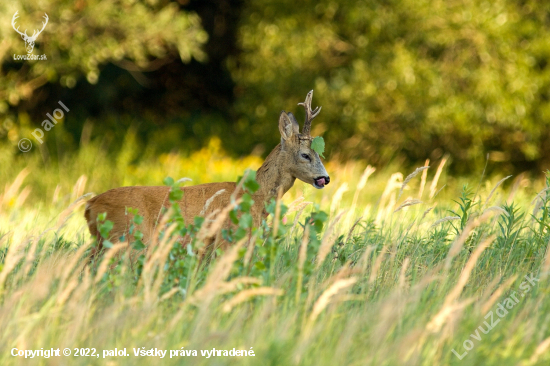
405, 79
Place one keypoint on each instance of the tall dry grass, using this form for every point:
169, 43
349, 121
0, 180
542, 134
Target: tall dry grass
396, 285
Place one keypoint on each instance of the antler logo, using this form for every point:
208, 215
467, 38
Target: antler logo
29, 41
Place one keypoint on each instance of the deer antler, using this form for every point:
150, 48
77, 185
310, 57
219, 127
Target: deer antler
34, 35
310, 114
15, 16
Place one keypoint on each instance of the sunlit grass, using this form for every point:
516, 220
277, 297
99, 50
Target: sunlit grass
397, 288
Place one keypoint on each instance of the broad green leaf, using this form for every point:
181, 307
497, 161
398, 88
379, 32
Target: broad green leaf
318, 145
138, 219
176, 194
138, 245
198, 221
245, 221
105, 228
233, 216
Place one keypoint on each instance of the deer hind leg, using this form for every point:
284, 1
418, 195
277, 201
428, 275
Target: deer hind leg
211, 244
91, 219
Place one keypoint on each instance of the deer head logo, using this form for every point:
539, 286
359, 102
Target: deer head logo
29, 41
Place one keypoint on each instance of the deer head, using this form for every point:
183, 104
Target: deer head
302, 161
29, 41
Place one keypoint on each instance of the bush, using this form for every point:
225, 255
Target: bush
402, 78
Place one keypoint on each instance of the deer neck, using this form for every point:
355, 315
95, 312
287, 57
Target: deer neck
274, 175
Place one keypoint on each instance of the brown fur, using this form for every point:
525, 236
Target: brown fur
278, 172
149, 202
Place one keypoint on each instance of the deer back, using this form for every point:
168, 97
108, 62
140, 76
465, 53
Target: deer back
149, 201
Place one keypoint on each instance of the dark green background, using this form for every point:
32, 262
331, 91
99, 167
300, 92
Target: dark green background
398, 80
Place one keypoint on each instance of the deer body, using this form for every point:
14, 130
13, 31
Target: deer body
293, 158
149, 202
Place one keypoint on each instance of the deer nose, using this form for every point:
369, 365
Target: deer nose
327, 179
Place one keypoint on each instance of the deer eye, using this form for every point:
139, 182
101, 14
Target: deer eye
306, 156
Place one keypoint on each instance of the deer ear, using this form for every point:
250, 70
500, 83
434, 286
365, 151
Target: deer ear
288, 126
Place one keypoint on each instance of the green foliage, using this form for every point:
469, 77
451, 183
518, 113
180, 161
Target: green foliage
81, 38
367, 300
396, 79
404, 77
465, 205
104, 226
510, 226
316, 222
250, 184
135, 235
542, 217
268, 246
318, 145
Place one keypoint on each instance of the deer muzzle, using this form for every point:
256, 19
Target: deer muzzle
320, 182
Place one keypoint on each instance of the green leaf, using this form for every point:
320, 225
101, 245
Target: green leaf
252, 185
141, 259
246, 203
138, 245
138, 219
245, 221
168, 181
240, 233
198, 221
250, 182
233, 216
105, 228
270, 207
176, 194
318, 145
319, 218
259, 265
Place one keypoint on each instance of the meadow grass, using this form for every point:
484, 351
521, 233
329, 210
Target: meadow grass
397, 272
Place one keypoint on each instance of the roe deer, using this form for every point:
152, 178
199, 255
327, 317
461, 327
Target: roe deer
292, 158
